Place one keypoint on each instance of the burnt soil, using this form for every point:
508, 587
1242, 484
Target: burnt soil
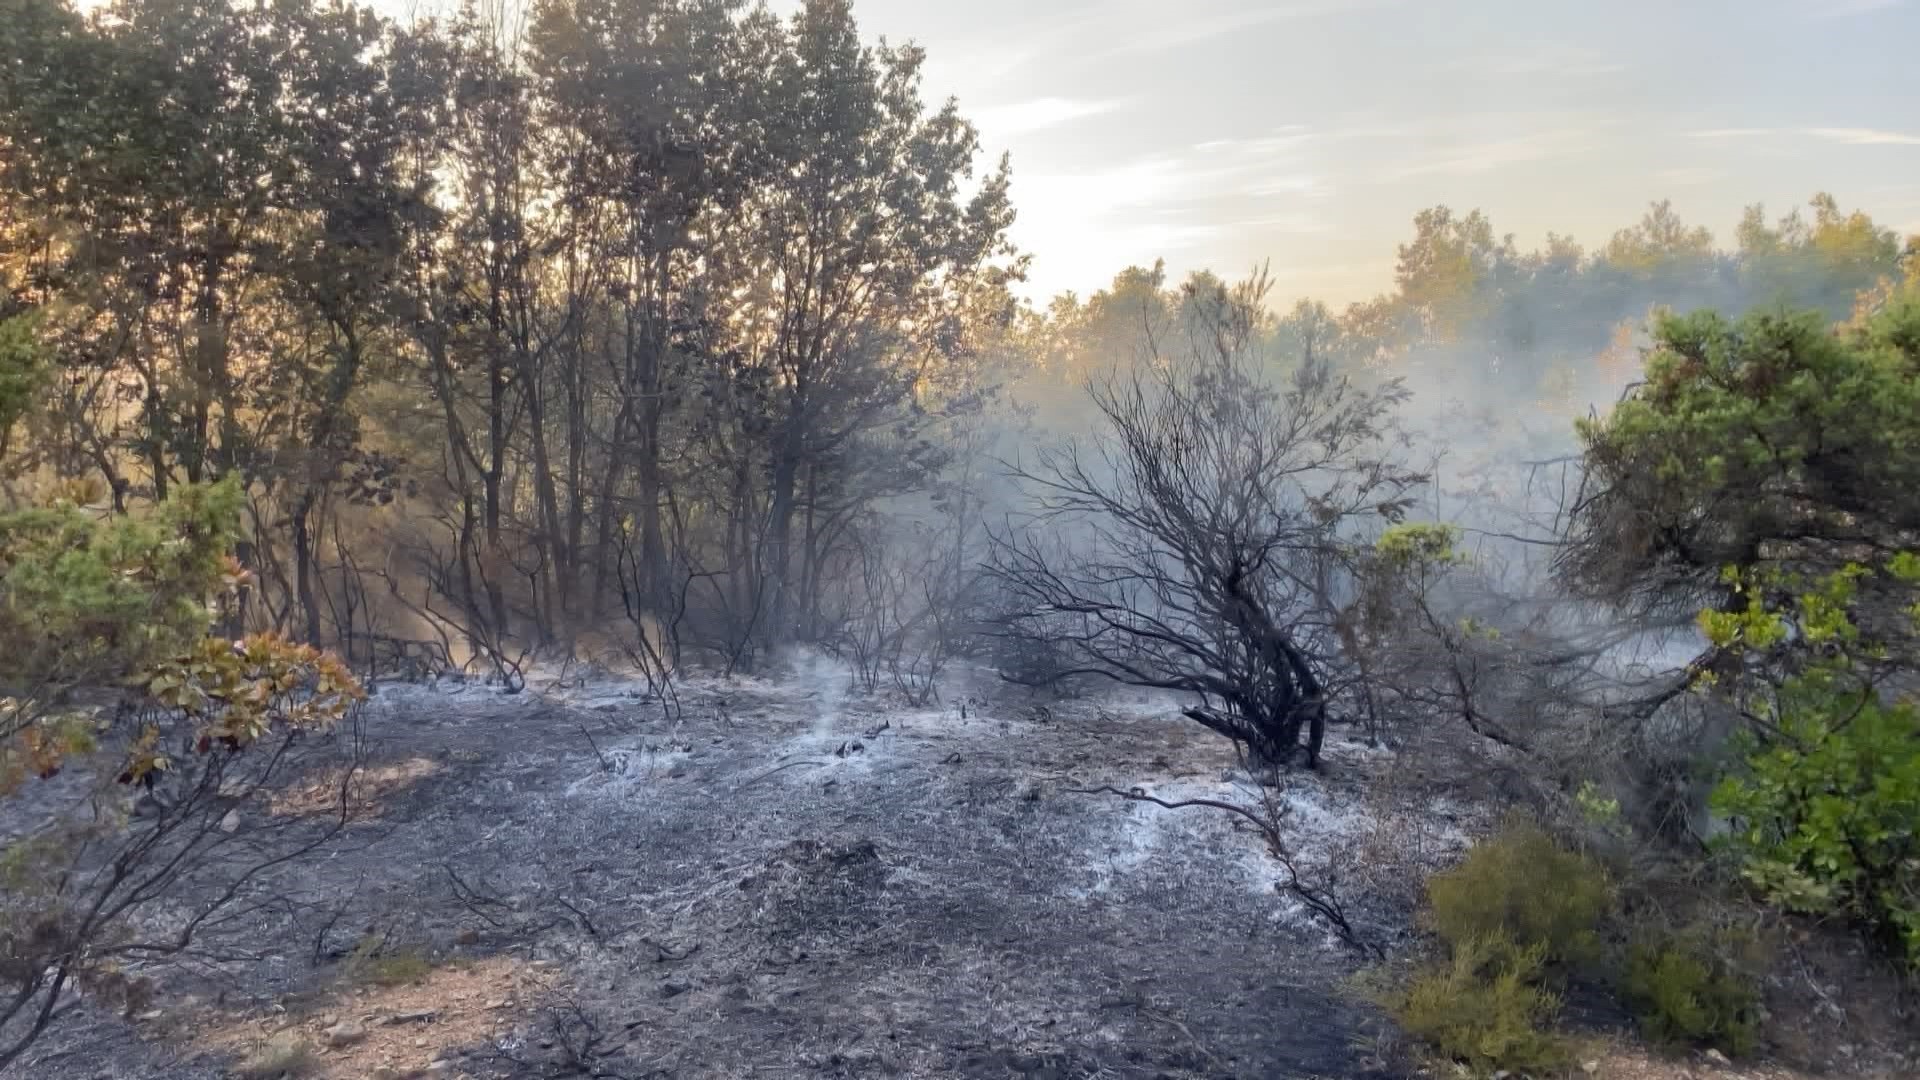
778, 878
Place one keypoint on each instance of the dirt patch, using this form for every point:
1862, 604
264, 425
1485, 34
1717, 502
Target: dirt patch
367, 790
356, 1032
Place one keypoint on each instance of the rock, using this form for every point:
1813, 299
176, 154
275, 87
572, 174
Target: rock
439, 1067
384, 1072
673, 989
497, 1003
231, 823
345, 1033
1717, 1058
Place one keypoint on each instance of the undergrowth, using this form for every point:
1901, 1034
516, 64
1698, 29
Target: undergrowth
1521, 917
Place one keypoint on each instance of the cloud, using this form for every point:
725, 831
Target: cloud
1847, 136
1071, 36
1288, 184
1019, 118
1469, 159
1865, 137
1840, 9
1193, 27
1689, 176
1542, 60
1294, 224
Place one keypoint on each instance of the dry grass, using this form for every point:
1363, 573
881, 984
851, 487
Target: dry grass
285, 1054
1620, 1061
372, 786
454, 1007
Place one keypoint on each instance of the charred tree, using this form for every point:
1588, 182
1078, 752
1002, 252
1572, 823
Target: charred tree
1197, 542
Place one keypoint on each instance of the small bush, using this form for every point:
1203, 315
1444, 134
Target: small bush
369, 964
1485, 1009
1685, 990
282, 1055
1523, 886
1827, 819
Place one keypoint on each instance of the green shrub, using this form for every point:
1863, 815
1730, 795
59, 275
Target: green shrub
370, 963
1485, 1008
1684, 989
1823, 804
1522, 886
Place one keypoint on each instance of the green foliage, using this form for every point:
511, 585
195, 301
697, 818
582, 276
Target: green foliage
81, 591
1765, 441
1685, 990
1825, 812
86, 598
1522, 886
1823, 803
1518, 909
1599, 810
24, 370
1484, 1007
1414, 544
371, 963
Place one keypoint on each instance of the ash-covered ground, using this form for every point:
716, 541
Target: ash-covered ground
779, 877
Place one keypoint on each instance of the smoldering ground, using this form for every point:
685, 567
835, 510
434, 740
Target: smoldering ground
786, 878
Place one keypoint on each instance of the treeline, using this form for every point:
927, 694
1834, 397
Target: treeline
1470, 302
495, 324
668, 315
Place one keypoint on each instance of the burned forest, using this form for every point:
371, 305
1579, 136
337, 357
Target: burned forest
694, 538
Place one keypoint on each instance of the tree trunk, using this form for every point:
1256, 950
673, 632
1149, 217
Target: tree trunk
303, 568
605, 572
548, 539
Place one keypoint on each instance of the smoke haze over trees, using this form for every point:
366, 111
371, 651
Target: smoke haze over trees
679, 335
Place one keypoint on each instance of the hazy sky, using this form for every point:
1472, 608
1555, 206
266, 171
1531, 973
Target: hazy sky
1220, 133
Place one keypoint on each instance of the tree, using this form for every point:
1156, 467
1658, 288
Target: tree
1661, 238
856, 260
661, 101
1825, 264
1444, 273
1770, 441
1209, 525
161, 775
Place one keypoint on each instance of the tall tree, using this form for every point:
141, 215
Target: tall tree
856, 256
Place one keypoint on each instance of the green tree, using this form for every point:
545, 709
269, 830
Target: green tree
857, 259
1775, 440
1446, 271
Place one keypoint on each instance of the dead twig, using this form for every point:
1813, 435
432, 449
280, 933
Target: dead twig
776, 769
1324, 904
473, 900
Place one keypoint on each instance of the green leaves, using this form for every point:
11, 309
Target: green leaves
85, 597
1823, 805
24, 370
1773, 440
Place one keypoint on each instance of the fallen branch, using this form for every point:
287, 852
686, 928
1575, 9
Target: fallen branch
778, 768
